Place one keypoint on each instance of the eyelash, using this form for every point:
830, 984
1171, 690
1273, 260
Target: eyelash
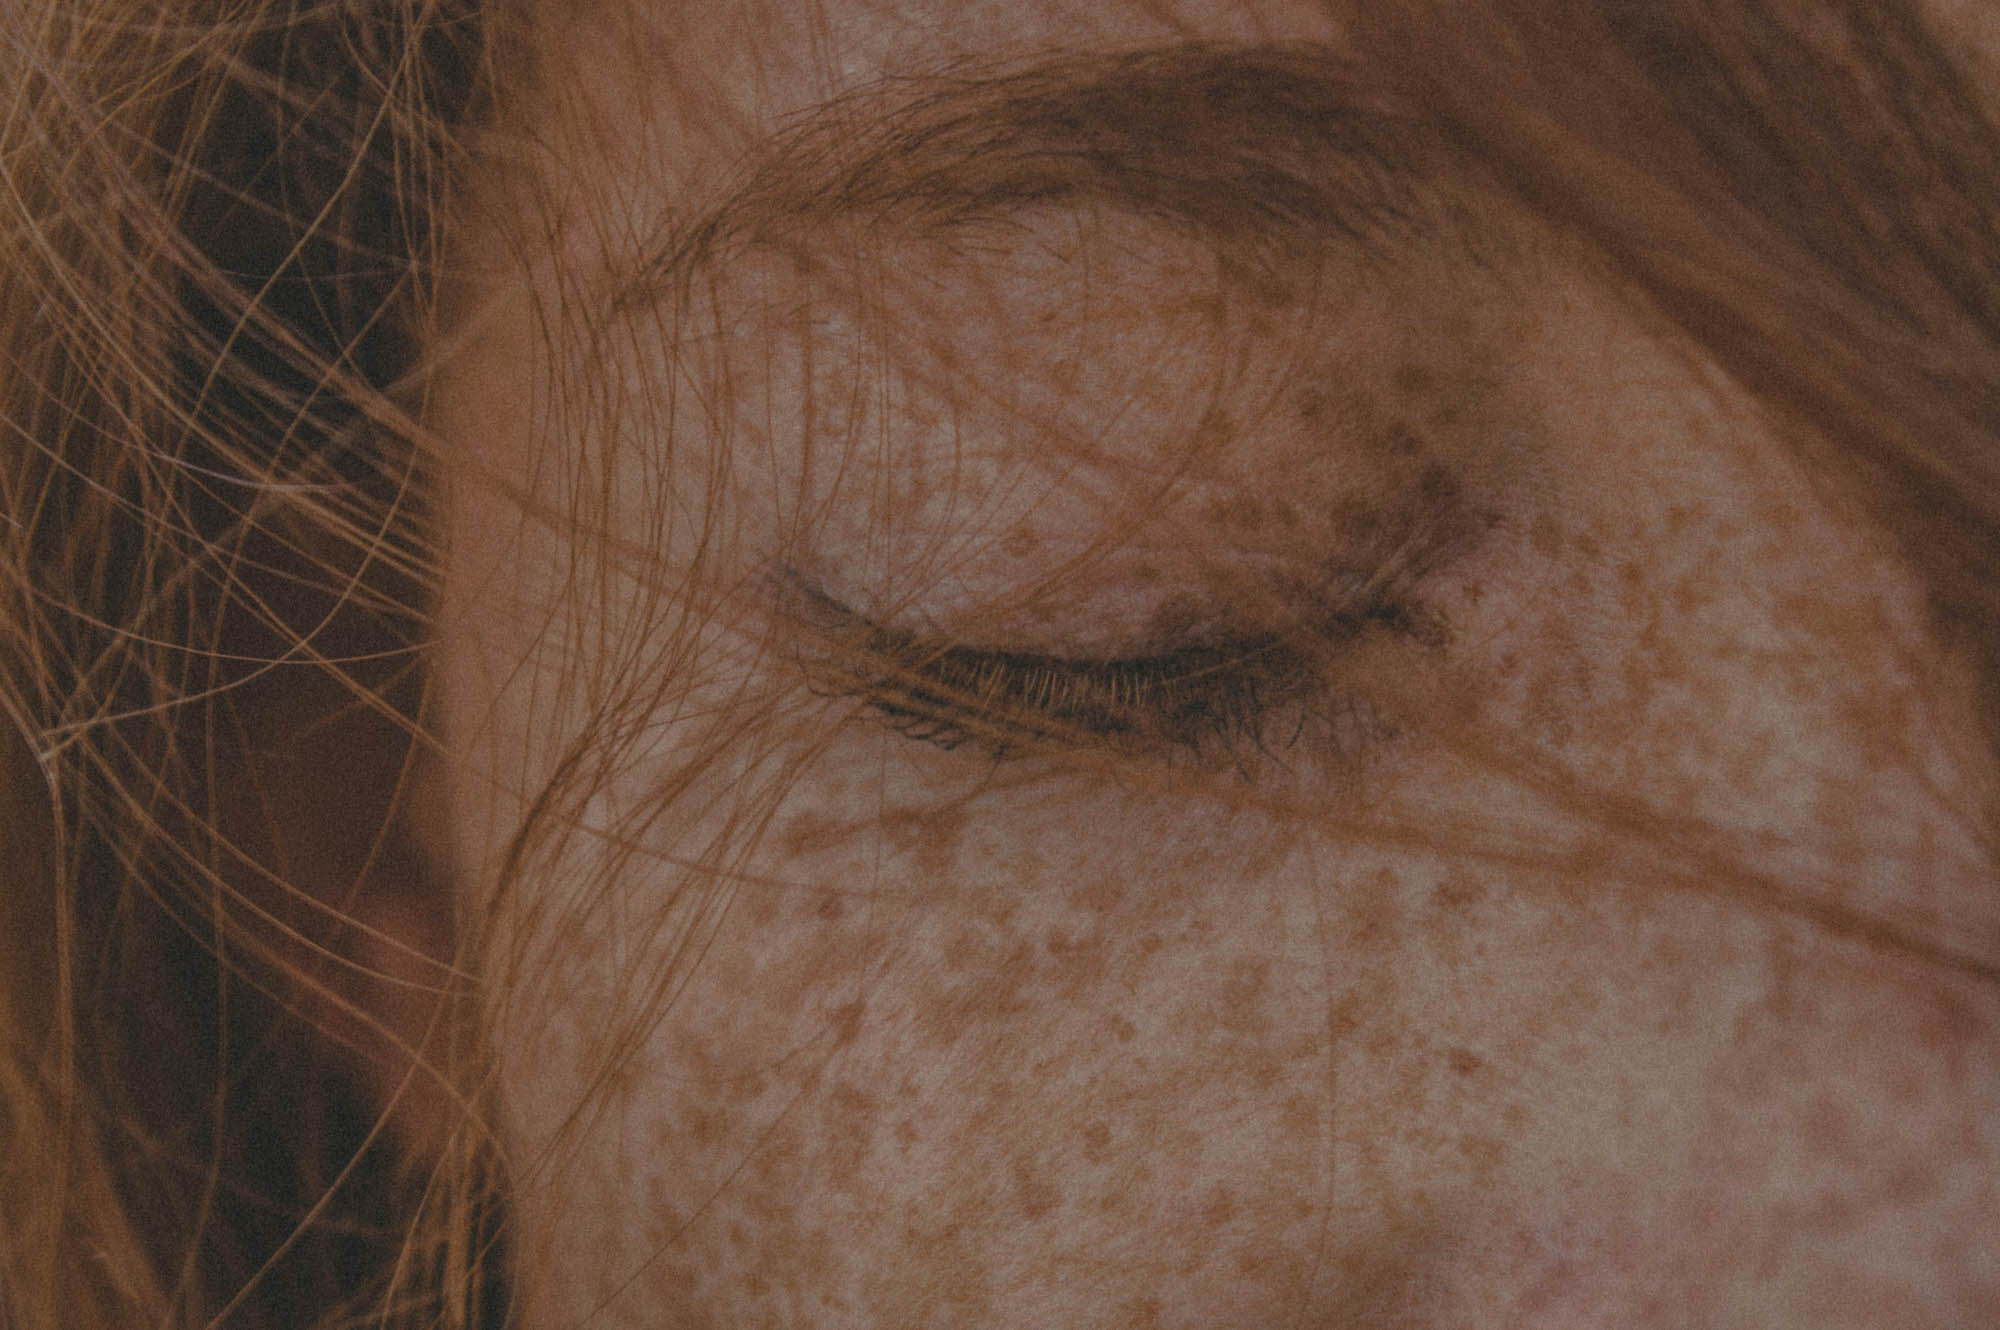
1237, 700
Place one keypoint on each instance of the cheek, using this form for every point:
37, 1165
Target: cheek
1009, 1066
980, 1053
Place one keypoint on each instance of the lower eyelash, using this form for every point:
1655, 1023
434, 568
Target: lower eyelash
1196, 697
1253, 695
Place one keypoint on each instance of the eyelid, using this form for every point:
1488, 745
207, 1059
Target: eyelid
1228, 695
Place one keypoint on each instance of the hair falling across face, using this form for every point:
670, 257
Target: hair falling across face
1210, 663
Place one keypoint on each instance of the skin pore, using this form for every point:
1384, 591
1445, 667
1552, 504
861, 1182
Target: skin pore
1039, 748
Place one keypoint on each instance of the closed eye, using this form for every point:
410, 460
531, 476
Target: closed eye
1231, 698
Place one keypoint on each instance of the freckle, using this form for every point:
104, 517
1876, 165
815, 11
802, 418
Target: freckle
763, 909
831, 907
933, 838
808, 832
1215, 431
1403, 441
1243, 991
1121, 1029
1631, 587
906, 1133
1144, 1312
966, 950
1484, 1154
707, 1126
1096, 1141
1460, 890
1464, 1061
1692, 594
1546, 536
1102, 896
1438, 485
1220, 1209
1209, 306
1036, 1195
1375, 911
846, 1024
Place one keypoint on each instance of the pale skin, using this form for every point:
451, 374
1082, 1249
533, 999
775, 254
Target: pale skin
1517, 971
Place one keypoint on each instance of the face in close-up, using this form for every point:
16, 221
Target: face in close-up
1095, 682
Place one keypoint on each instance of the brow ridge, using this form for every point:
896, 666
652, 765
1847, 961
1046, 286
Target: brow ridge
1283, 146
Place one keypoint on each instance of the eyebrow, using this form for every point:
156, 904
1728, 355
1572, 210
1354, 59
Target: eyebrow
1279, 146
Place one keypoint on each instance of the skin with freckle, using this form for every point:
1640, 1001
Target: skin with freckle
1522, 984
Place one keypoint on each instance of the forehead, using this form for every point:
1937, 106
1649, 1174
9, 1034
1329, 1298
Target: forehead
659, 103
677, 96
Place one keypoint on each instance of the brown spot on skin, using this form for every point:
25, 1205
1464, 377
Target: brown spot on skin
1243, 998
1036, 1195
1213, 435
1413, 379
1096, 1142
1546, 536
846, 1023
807, 833
1077, 964
1375, 916
1143, 1312
850, 1118
1220, 1208
1312, 406
1464, 1061
1632, 588
1019, 543
931, 838
707, 1126
1402, 441
1460, 890
1240, 512
1102, 896
1208, 306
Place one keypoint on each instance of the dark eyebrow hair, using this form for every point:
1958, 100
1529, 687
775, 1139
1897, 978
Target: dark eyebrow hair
1277, 145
